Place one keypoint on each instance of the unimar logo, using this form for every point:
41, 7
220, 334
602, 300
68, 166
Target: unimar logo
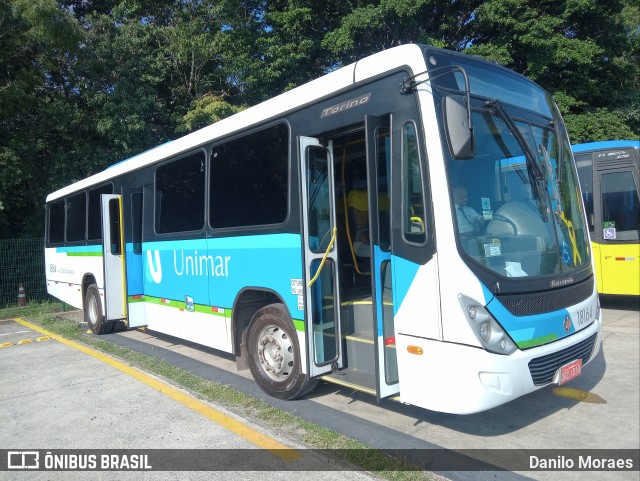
188, 263
155, 267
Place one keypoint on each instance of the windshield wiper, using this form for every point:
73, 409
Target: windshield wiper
536, 173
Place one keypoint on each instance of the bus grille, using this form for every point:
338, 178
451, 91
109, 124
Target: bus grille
543, 368
540, 303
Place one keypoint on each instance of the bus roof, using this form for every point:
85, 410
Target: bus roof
606, 144
409, 55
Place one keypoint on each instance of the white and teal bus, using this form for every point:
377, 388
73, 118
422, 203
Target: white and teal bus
319, 235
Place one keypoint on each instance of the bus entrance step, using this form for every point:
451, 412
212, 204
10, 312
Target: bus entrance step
358, 354
357, 316
352, 378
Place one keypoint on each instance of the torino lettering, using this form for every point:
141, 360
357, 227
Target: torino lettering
346, 105
200, 265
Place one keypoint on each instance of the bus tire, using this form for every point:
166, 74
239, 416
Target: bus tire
274, 354
93, 315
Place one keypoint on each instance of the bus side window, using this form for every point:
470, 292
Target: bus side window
249, 178
76, 217
180, 194
56, 222
94, 212
136, 224
620, 204
412, 182
585, 174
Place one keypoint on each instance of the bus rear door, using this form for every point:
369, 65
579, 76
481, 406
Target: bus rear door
115, 286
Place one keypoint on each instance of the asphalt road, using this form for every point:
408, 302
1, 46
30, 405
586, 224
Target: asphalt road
597, 410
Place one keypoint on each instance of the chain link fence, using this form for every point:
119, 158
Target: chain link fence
22, 262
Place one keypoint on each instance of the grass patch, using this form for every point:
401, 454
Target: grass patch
286, 423
33, 310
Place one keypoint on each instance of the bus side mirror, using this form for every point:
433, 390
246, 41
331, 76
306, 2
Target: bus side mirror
459, 131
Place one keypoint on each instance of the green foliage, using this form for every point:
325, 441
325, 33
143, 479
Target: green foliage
581, 51
374, 26
207, 110
37, 43
601, 124
86, 83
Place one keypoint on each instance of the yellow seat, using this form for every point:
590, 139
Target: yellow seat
358, 208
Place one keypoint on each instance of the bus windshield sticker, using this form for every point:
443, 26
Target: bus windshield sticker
492, 248
487, 213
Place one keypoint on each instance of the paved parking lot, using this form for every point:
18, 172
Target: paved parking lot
54, 396
597, 410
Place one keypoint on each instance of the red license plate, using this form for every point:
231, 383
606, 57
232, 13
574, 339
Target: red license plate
569, 371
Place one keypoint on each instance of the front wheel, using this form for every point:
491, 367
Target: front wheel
274, 354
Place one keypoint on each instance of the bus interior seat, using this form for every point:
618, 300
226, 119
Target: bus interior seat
358, 215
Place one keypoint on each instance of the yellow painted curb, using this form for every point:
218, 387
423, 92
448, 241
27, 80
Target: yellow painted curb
280, 450
25, 341
6, 344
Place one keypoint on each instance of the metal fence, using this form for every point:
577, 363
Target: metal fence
22, 262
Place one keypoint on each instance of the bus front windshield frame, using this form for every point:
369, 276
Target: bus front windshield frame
516, 203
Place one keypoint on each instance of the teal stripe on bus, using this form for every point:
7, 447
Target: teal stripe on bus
90, 250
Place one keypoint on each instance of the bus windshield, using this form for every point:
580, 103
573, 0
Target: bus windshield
517, 202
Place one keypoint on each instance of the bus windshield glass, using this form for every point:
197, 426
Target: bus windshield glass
516, 202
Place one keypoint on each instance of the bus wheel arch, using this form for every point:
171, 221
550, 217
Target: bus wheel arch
248, 301
274, 355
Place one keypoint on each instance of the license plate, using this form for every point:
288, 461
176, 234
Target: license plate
569, 371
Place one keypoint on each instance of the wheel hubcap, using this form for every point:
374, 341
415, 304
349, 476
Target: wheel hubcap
93, 310
275, 353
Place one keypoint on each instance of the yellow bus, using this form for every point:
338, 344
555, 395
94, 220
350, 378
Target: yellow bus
609, 176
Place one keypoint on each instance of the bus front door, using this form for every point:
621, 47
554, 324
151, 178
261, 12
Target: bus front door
378, 148
115, 289
322, 294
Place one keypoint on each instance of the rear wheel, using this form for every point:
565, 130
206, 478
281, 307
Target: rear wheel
93, 311
274, 354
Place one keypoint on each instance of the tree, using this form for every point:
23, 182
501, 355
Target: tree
373, 26
37, 43
86, 83
581, 51
584, 52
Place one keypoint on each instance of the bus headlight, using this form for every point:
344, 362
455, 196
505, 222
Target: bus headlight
490, 334
485, 331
